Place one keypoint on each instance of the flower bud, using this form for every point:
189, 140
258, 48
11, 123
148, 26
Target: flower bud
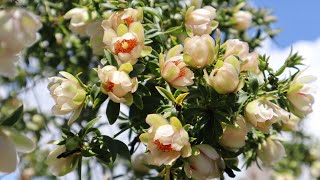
79, 20
64, 165
199, 51
200, 21
237, 48
117, 84
271, 151
243, 20
262, 114
68, 95
11, 142
300, 94
225, 79
167, 141
95, 32
291, 124
205, 165
251, 63
234, 136
174, 70
139, 164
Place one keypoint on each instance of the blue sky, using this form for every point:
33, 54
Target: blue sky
298, 19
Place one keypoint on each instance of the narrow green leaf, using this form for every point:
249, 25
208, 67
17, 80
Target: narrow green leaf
165, 93
110, 58
13, 118
84, 131
113, 111
143, 90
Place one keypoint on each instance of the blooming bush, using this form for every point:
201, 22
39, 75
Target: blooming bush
181, 79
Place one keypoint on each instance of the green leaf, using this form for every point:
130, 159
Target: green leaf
113, 111
116, 147
137, 100
143, 90
165, 93
137, 70
110, 58
152, 11
254, 85
13, 118
84, 131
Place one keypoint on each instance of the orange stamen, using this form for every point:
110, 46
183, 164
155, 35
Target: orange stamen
125, 46
128, 20
162, 147
109, 86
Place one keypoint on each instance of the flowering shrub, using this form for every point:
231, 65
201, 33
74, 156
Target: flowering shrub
181, 78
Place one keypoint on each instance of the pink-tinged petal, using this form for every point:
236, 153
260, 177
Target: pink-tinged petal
108, 37
115, 98
170, 71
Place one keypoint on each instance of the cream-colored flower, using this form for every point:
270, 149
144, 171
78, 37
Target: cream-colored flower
18, 30
95, 32
200, 21
166, 141
251, 63
234, 136
174, 70
79, 20
64, 165
300, 94
237, 48
271, 151
11, 142
126, 43
206, 165
262, 113
117, 84
68, 95
199, 51
126, 16
225, 77
243, 20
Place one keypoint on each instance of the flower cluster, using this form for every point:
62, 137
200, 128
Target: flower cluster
195, 94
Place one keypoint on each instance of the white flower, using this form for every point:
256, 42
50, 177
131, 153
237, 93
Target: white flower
18, 30
262, 114
95, 32
174, 70
68, 95
243, 20
271, 151
200, 21
234, 136
64, 165
225, 78
117, 84
300, 94
79, 20
166, 141
206, 165
199, 51
290, 124
11, 142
